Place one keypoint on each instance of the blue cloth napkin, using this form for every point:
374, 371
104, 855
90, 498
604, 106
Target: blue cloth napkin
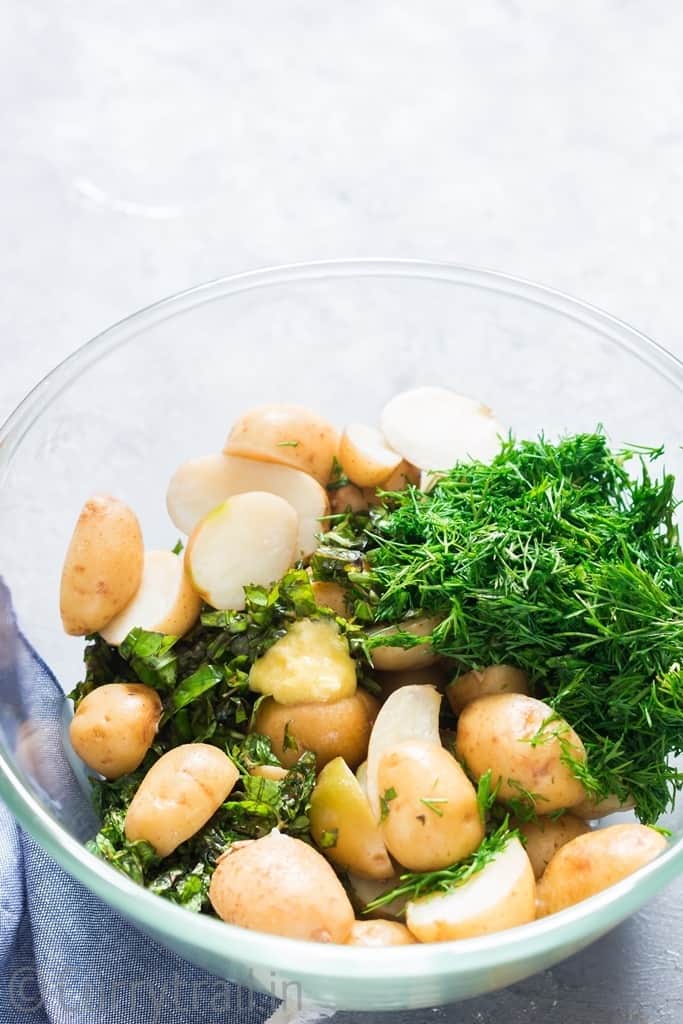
66, 957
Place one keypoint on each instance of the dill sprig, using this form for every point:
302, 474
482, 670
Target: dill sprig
414, 884
554, 559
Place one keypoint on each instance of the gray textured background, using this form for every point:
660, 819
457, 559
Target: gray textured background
145, 147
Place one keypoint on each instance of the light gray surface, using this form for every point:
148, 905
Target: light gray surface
147, 147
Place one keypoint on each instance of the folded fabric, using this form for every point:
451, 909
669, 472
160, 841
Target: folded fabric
66, 957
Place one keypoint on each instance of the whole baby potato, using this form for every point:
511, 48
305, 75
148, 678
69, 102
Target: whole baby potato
430, 817
114, 727
594, 861
311, 662
493, 679
282, 886
525, 746
379, 933
393, 659
103, 565
289, 434
590, 809
179, 794
545, 836
330, 595
337, 728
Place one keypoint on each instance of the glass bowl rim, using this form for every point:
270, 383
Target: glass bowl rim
336, 963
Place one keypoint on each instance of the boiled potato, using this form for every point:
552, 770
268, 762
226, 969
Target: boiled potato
367, 459
344, 827
365, 890
114, 727
435, 428
250, 538
348, 498
494, 679
288, 434
311, 662
103, 565
411, 713
337, 728
544, 837
330, 595
594, 861
496, 732
179, 794
379, 933
200, 485
590, 809
502, 895
394, 659
402, 477
274, 772
166, 602
430, 817
433, 675
282, 886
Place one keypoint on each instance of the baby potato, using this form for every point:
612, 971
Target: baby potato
282, 886
311, 662
497, 731
430, 817
494, 679
179, 794
365, 890
336, 728
502, 895
594, 861
379, 933
330, 595
344, 827
402, 477
433, 675
367, 459
288, 434
114, 727
394, 659
590, 809
103, 565
545, 836
274, 772
348, 498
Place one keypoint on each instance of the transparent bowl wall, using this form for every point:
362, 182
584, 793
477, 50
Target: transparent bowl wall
165, 385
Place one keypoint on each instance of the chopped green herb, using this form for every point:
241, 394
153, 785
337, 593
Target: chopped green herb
432, 802
328, 838
289, 742
178, 547
288, 444
384, 801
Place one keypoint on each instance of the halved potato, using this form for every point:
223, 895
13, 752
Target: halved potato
434, 428
594, 861
103, 565
402, 477
502, 895
166, 601
337, 728
311, 662
367, 459
379, 933
493, 679
393, 659
274, 772
365, 890
198, 486
544, 837
344, 827
288, 434
411, 713
430, 816
250, 538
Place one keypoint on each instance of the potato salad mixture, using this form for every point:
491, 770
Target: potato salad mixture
388, 682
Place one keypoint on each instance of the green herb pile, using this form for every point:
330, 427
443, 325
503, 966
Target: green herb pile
555, 560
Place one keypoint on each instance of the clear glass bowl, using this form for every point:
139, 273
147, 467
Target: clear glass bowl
163, 385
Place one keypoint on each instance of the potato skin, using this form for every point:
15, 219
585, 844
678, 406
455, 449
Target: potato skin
330, 595
282, 886
114, 727
402, 477
340, 807
425, 836
339, 728
594, 861
379, 933
311, 662
545, 836
394, 659
494, 732
348, 497
493, 679
267, 433
179, 794
434, 675
103, 565
590, 809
